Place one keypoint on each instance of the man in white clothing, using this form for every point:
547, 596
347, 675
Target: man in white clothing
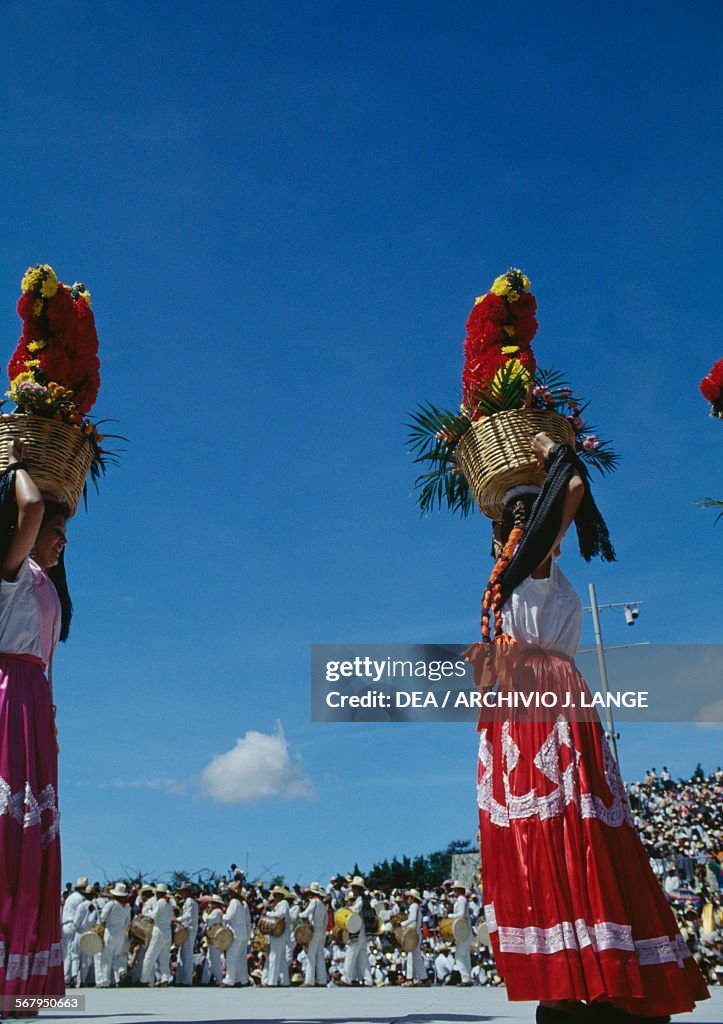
414, 968
443, 965
73, 900
116, 916
159, 948
317, 916
294, 911
85, 917
277, 967
238, 919
146, 903
462, 954
356, 962
212, 917
99, 901
189, 919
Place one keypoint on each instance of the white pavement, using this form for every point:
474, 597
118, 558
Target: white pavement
320, 1006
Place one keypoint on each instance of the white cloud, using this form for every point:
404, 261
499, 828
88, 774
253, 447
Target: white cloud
258, 767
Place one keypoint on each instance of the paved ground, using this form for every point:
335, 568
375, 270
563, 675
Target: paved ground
321, 1006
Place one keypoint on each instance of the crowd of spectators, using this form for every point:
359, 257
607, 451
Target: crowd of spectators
681, 826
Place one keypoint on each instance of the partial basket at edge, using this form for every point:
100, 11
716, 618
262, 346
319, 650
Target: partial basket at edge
58, 456
496, 453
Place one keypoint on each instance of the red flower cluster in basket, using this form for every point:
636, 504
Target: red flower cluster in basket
59, 343
500, 330
711, 388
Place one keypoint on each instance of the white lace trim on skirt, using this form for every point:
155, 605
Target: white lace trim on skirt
578, 934
24, 965
26, 809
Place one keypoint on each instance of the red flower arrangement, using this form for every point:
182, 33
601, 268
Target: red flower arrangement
59, 342
711, 387
497, 348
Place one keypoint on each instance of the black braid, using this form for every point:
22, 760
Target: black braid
8, 508
56, 573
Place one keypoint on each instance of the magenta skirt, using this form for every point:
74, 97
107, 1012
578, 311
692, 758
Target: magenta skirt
31, 960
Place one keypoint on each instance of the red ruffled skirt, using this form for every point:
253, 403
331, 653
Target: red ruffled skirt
31, 961
573, 907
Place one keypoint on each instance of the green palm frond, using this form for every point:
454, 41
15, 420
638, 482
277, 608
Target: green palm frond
506, 391
433, 438
711, 503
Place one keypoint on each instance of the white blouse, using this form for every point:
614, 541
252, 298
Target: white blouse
29, 613
545, 613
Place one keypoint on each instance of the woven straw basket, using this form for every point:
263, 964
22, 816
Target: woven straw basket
58, 456
496, 453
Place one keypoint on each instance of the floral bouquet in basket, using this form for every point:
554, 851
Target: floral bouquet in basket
500, 377
54, 379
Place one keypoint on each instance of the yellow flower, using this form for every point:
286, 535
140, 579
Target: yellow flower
513, 368
33, 277
26, 377
510, 285
37, 307
500, 285
510, 350
31, 364
40, 278
37, 346
479, 299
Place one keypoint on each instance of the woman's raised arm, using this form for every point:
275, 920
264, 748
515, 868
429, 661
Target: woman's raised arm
30, 515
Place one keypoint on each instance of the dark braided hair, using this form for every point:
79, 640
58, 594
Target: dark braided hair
8, 508
528, 537
56, 573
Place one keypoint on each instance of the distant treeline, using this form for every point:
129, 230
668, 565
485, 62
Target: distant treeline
418, 872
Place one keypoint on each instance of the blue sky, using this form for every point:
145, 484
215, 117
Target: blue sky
284, 212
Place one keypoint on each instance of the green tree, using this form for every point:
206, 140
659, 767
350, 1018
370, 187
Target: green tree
425, 869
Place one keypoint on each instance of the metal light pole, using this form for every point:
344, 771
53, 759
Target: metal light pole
603, 669
631, 614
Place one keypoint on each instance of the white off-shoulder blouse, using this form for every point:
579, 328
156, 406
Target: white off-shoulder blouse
545, 613
29, 613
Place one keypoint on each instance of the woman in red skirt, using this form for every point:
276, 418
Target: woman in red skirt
34, 614
576, 917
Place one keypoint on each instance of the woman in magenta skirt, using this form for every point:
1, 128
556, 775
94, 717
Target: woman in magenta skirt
576, 917
35, 613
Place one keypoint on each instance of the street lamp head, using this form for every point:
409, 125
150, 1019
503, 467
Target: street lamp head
631, 614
